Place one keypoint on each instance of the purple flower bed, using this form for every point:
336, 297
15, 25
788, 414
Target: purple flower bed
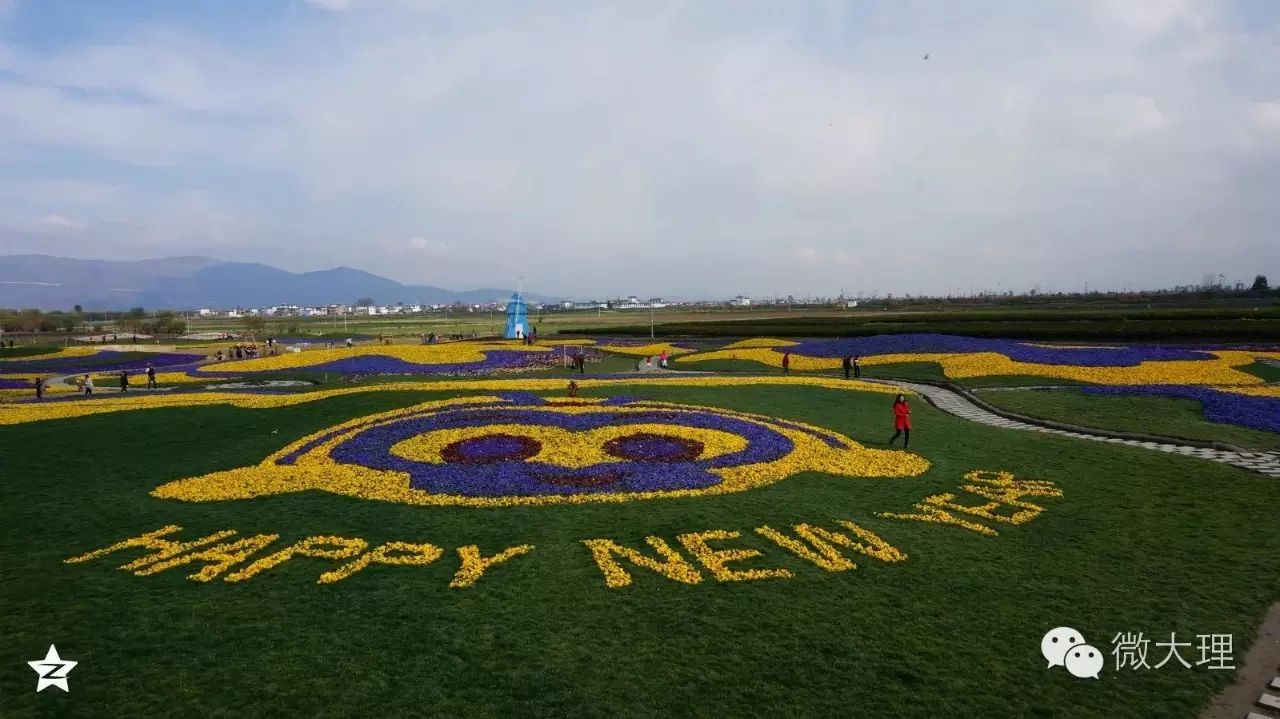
1226, 407
368, 365
104, 361
9, 383
498, 464
1018, 351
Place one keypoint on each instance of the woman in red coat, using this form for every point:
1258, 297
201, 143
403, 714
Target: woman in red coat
901, 421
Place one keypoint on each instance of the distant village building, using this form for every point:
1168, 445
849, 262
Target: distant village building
740, 301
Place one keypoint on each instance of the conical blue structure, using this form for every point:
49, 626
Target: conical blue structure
517, 317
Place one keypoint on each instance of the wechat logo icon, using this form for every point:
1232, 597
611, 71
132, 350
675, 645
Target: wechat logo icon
1065, 647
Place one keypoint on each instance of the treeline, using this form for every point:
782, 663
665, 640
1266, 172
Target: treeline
136, 320
1198, 325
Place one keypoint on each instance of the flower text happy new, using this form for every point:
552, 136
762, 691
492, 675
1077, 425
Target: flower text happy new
986, 500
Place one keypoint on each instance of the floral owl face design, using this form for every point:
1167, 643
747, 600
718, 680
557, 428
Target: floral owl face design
522, 449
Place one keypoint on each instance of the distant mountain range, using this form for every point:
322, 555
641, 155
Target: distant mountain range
188, 283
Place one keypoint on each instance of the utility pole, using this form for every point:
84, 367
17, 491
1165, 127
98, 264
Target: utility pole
650, 320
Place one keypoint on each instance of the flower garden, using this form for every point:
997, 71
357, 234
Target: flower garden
469, 539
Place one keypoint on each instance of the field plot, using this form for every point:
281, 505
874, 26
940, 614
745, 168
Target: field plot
660, 543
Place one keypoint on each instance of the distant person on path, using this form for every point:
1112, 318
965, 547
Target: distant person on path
857, 367
580, 361
662, 359
350, 344
151, 377
39, 387
88, 385
901, 421
786, 363
847, 363
573, 388
124, 382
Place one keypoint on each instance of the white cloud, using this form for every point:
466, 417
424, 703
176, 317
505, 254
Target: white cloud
677, 148
331, 5
1267, 115
61, 222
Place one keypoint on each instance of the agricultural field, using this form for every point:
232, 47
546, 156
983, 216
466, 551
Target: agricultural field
455, 529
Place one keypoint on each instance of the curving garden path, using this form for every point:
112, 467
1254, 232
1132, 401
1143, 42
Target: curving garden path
955, 403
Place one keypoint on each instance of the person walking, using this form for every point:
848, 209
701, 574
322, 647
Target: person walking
857, 368
88, 385
847, 363
580, 360
39, 388
151, 377
662, 359
124, 381
786, 363
901, 421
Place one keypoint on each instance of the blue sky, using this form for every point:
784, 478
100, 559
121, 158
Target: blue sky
658, 148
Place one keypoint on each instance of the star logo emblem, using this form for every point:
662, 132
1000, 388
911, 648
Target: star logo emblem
53, 670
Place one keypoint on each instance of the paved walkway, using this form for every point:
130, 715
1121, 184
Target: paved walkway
952, 402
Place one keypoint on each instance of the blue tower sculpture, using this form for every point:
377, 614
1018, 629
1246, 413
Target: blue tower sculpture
517, 317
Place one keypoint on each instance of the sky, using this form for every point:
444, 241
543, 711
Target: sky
657, 148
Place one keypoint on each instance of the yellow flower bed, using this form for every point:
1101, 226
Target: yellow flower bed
57, 354
767, 355
759, 342
443, 353
19, 413
1218, 371
563, 448
307, 464
649, 350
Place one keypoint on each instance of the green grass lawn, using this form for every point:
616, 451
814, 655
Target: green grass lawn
1140, 541
1168, 416
27, 350
1267, 371
724, 365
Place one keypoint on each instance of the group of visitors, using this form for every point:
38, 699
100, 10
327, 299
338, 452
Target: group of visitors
245, 351
86, 383
528, 338
852, 365
646, 363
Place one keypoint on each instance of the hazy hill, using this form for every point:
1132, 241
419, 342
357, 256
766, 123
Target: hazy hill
46, 282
